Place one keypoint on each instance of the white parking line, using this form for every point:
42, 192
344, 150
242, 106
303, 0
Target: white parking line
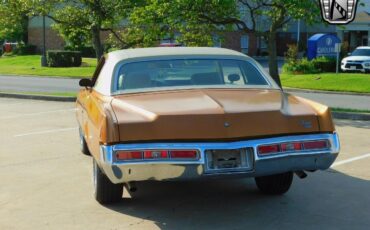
38, 113
350, 160
21, 103
46, 131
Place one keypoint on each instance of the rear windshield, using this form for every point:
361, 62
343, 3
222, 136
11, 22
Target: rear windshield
194, 73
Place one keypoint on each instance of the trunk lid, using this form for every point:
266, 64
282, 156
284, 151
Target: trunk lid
211, 114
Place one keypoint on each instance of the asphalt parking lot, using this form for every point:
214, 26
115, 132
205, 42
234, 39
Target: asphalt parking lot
46, 184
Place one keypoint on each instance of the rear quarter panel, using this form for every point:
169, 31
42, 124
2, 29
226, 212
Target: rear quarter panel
96, 120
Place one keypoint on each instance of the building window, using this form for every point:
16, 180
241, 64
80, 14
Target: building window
244, 43
216, 41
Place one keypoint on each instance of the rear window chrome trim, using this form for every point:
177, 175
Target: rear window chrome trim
119, 65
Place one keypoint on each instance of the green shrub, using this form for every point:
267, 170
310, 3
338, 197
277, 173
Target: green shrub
291, 56
61, 58
303, 66
306, 66
1, 51
86, 51
23, 49
325, 64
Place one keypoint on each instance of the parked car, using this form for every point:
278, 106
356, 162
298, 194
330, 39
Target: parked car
358, 60
190, 113
8, 47
169, 44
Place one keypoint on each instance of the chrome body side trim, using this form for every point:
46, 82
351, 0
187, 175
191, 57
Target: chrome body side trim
138, 170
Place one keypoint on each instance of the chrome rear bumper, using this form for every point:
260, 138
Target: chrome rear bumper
120, 172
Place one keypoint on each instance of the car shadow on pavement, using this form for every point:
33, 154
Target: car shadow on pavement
324, 200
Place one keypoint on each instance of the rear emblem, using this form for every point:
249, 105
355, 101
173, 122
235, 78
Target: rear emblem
227, 124
306, 124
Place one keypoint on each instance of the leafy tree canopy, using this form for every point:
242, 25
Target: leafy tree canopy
83, 21
177, 20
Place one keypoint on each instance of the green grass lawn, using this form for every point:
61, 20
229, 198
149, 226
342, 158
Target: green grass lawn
31, 65
348, 82
336, 109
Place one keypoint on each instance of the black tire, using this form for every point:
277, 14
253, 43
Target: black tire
275, 184
83, 144
105, 191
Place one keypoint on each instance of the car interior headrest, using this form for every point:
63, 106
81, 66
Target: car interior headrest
233, 77
137, 80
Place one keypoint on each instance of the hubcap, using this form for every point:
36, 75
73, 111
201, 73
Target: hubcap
81, 139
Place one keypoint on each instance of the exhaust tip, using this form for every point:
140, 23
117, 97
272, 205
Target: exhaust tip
301, 174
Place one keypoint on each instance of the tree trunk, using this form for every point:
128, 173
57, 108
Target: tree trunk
273, 64
96, 42
25, 29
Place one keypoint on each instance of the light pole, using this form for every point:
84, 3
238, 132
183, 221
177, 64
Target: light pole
298, 33
43, 57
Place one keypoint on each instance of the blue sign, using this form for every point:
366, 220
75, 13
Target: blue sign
322, 45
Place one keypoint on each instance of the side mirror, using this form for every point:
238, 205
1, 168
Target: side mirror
233, 77
349, 54
85, 82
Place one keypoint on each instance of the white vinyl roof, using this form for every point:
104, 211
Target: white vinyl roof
117, 58
171, 51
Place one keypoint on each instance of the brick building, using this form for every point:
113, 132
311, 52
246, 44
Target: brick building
356, 33
35, 34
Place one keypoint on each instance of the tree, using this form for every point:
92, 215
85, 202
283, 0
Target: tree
196, 21
78, 20
15, 15
276, 14
176, 20
13, 20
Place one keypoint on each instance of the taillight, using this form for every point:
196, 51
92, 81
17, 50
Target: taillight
183, 154
268, 149
126, 155
129, 155
293, 147
323, 144
155, 154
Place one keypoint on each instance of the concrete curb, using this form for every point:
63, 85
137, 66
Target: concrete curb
351, 116
38, 97
292, 90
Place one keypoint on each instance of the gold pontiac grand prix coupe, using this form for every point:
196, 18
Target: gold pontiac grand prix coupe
185, 113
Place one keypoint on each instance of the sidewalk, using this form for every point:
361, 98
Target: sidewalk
37, 84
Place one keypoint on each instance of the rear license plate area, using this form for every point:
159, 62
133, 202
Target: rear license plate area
228, 160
